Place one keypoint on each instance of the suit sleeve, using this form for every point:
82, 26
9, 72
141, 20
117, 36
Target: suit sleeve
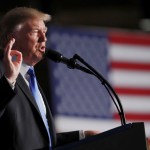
67, 137
6, 93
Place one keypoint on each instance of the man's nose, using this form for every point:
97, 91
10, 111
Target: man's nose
43, 37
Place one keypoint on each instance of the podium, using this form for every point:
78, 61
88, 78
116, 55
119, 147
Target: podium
127, 137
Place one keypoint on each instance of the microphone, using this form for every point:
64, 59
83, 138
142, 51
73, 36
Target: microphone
59, 58
56, 56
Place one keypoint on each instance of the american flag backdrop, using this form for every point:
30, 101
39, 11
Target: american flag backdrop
79, 99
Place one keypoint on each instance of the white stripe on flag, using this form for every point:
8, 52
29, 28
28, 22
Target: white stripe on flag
135, 104
129, 78
131, 53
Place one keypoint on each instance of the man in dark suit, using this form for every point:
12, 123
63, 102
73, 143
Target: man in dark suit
23, 45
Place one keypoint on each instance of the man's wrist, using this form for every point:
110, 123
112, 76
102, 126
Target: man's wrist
11, 83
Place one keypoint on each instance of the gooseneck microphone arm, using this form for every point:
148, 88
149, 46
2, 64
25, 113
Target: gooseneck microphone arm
107, 86
72, 64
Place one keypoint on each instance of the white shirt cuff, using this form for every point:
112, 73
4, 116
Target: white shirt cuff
12, 84
81, 135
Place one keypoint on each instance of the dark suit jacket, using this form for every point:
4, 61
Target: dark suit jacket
21, 127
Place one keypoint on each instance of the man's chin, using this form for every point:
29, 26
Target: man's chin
37, 60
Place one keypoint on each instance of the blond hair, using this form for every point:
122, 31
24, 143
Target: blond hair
16, 17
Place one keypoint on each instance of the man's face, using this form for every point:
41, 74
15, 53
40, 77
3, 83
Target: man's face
31, 41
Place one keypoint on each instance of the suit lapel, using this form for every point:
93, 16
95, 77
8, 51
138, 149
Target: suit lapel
25, 89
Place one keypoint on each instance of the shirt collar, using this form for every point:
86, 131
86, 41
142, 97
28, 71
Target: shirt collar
24, 68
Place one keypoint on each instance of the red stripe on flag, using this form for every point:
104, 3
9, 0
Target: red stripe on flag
134, 116
129, 38
129, 66
132, 91
148, 142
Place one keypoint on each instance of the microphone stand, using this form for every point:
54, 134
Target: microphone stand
72, 64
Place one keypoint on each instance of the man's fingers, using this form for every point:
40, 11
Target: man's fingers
12, 55
16, 55
9, 46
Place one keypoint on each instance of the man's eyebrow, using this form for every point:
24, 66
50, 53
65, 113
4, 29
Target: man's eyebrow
37, 27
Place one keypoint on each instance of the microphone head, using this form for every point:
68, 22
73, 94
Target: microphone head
53, 55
